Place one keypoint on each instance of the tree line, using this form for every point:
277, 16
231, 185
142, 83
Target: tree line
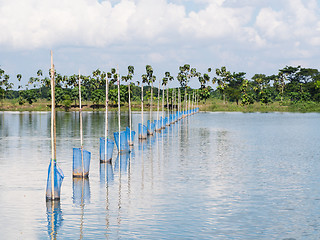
290, 84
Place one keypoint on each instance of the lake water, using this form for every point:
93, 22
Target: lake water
210, 176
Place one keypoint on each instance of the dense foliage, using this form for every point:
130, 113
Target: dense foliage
290, 84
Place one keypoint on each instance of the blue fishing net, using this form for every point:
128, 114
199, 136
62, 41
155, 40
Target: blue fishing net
162, 123
81, 191
110, 146
124, 145
142, 130
133, 133
166, 121
81, 169
150, 128
57, 178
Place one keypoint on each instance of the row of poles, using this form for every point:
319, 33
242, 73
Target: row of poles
123, 140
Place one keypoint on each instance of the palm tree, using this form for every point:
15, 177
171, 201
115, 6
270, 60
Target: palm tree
165, 80
184, 76
150, 79
225, 77
126, 79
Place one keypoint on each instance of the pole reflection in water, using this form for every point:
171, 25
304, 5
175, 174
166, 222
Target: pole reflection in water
141, 149
54, 217
81, 196
121, 163
107, 179
106, 173
131, 155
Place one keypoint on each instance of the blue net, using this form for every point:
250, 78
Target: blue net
133, 133
106, 173
124, 146
81, 191
166, 121
142, 130
81, 168
163, 123
150, 128
57, 179
110, 146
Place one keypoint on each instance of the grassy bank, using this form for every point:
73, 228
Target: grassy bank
212, 105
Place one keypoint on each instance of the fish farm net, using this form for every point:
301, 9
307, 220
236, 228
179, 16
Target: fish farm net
142, 130
133, 133
81, 162
110, 146
124, 145
58, 176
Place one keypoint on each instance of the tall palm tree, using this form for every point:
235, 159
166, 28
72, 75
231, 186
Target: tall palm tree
150, 79
128, 78
167, 77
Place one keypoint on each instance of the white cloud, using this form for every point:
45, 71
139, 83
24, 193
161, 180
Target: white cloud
164, 31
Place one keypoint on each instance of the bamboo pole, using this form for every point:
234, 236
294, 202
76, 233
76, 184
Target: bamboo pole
81, 132
142, 136
130, 121
179, 101
162, 106
168, 110
53, 142
151, 101
106, 121
119, 127
158, 106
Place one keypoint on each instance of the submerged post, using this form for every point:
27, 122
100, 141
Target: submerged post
118, 78
106, 120
130, 141
81, 136
53, 142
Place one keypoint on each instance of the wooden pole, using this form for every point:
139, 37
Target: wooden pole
106, 122
53, 142
179, 102
162, 105
158, 104
168, 111
142, 106
81, 133
151, 101
130, 143
119, 127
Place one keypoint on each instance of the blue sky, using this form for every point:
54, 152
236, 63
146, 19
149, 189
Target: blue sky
252, 36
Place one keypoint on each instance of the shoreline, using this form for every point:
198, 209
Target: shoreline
212, 105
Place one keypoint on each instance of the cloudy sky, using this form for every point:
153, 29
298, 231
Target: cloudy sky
252, 36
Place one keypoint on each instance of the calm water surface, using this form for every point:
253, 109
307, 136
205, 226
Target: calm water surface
211, 176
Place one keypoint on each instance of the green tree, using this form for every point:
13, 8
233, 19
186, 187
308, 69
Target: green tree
262, 88
184, 76
204, 90
224, 77
246, 96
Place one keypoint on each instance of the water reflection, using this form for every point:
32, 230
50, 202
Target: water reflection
54, 218
106, 173
222, 176
121, 162
81, 191
81, 197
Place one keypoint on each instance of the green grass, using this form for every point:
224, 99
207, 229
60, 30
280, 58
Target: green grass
212, 105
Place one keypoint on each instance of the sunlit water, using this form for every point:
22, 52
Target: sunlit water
210, 176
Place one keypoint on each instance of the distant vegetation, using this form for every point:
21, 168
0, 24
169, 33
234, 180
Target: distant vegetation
290, 89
